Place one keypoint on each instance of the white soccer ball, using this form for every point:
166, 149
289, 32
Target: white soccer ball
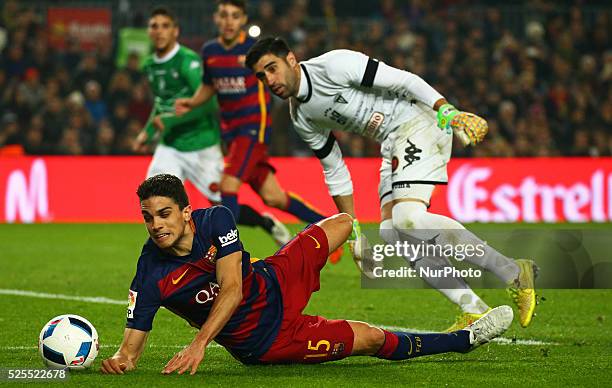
68, 341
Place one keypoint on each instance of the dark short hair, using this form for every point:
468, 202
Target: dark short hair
164, 11
236, 3
269, 45
164, 185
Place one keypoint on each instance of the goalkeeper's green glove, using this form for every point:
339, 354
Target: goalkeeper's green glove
361, 251
468, 127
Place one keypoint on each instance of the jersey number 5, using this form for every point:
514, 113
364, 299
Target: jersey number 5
322, 345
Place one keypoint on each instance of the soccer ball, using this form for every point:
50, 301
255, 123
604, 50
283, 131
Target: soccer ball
68, 341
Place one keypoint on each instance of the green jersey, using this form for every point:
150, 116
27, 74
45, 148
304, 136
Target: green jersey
179, 75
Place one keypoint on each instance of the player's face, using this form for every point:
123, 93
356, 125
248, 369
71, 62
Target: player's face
230, 20
278, 74
163, 33
165, 222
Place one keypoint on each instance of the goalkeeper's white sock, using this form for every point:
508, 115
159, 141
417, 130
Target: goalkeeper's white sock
455, 289
414, 216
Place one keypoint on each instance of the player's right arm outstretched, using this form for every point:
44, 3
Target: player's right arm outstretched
126, 358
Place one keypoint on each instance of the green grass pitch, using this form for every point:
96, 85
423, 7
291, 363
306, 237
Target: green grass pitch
572, 332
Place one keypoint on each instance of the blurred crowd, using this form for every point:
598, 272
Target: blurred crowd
541, 75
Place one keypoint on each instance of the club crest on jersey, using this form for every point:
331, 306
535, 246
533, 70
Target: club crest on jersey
230, 238
131, 303
338, 349
211, 255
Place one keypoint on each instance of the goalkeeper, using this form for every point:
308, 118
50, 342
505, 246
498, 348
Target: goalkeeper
348, 91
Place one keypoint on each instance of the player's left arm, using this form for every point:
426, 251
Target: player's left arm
229, 277
191, 72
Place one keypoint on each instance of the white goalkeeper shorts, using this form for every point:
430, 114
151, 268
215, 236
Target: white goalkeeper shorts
203, 168
414, 159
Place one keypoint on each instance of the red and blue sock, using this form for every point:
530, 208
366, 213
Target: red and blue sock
302, 209
402, 345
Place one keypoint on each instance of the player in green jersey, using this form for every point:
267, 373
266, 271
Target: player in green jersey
188, 145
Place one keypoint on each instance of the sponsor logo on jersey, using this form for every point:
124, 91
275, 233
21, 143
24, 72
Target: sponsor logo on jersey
230, 85
230, 238
132, 295
207, 294
376, 120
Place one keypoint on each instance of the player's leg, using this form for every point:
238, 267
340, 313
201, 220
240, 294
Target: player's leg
273, 195
419, 152
400, 345
263, 181
205, 169
166, 160
314, 339
241, 160
337, 229
421, 166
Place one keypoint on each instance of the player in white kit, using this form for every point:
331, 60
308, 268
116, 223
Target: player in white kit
348, 91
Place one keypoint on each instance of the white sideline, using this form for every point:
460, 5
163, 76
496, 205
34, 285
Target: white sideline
103, 300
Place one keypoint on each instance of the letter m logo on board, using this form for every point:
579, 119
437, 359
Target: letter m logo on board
24, 200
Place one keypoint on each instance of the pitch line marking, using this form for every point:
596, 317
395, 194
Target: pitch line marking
104, 300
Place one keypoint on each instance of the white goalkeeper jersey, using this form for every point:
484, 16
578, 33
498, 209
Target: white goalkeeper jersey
348, 91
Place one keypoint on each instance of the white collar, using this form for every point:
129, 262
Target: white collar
168, 56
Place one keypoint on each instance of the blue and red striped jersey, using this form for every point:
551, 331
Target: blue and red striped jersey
244, 101
187, 286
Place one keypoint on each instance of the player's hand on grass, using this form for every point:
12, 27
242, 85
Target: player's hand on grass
182, 106
468, 127
187, 359
116, 365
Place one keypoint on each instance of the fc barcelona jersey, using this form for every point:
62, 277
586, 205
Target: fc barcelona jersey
243, 99
187, 286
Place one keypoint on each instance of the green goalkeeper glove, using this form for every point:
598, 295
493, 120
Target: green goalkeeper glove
468, 127
361, 251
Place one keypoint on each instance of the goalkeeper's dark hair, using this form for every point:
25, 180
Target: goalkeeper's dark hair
269, 45
164, 11
236, 3
164, 185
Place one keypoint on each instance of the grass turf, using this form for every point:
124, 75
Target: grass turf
99, 260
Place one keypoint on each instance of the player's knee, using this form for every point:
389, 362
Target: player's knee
376, 339
337, 228
273, 200
368, 339
344, 223
406, 215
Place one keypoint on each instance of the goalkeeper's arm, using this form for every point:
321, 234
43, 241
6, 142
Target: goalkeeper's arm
468, 127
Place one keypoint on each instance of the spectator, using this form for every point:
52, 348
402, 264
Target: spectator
94, 103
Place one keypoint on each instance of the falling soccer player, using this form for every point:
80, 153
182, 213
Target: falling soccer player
195, 265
